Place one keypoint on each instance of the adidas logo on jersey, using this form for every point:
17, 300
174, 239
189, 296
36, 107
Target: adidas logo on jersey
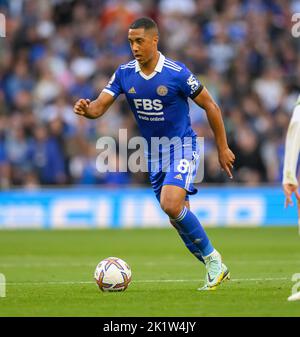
132, 91
179, 177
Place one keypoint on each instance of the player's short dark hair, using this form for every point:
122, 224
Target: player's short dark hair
145, 22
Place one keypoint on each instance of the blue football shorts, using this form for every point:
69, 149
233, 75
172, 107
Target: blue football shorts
179, 169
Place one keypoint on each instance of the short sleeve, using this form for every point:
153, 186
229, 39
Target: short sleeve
189, 84
114, 86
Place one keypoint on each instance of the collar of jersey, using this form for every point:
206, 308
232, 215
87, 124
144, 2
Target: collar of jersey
157, 69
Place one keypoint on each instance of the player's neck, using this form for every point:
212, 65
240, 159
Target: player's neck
149, 67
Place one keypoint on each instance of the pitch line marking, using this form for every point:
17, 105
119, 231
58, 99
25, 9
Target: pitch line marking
148, 264
148, 281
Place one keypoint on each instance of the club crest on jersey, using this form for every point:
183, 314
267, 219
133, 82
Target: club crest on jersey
162, 90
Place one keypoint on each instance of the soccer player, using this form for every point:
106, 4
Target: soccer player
157, 90
292, 149
290, 183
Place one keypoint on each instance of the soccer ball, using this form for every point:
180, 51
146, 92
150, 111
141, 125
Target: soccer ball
112, 274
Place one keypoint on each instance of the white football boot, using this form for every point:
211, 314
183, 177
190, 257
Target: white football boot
217, 271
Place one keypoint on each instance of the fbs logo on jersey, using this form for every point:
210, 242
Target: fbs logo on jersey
148, 104
179, 177
132, 91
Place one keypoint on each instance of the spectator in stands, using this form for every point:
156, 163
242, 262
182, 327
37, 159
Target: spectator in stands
58, 50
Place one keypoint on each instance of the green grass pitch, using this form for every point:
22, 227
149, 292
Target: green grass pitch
50, 273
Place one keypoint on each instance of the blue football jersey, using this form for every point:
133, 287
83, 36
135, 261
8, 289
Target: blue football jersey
159, 101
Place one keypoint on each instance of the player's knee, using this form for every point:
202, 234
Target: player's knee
171, 207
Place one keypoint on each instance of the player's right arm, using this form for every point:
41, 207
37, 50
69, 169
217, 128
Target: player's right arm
96, 108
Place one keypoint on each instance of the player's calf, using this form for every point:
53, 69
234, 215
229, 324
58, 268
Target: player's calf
186, 221
188, 243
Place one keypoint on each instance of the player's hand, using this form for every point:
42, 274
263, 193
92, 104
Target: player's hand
288, 190
81, 107
226, 159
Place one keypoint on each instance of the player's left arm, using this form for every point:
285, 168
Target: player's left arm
214, 116
292, 149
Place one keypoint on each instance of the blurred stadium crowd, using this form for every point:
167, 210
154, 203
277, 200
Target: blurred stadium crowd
57, 51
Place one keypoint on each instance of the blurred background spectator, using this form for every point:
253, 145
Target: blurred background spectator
57, 51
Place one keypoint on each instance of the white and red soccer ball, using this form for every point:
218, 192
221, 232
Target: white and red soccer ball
112, 274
